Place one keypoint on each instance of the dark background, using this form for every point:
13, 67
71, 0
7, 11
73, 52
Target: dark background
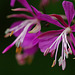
41, 65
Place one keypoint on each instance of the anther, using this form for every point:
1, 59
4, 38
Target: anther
18, 50
54, 62
11, 33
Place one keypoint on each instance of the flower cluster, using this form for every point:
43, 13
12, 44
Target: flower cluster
29, 37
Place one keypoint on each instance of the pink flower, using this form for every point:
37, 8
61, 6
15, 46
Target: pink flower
29, 22
25, 51
49, 41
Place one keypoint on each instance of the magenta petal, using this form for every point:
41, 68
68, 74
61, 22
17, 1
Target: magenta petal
25, 4
20, 16
15, 24
31, 50
73, 38
30, 44
35, 10
46, 43
30, 40
73, 30
69, 10
47, 18
73, 27
49, 34
7, 48
19, 31
12, 2
60, 19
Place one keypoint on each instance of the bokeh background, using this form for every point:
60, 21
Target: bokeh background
41, 65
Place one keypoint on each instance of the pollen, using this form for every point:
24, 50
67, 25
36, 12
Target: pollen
53, 64
18, 50
11, 33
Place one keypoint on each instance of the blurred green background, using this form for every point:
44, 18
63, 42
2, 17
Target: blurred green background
41, 65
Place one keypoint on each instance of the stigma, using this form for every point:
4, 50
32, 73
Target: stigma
68, 30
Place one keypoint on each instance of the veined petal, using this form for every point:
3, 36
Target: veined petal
47, 18
30, 40
12, 2
25, 4
69, 10
49, 34
46, 43
19, 16
60, 19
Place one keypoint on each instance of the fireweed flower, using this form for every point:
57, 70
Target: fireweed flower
49, 41
30, 22
29, 46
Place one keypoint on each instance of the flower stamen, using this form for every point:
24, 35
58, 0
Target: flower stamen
54, 62
11, 33
69, 50
19, 50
